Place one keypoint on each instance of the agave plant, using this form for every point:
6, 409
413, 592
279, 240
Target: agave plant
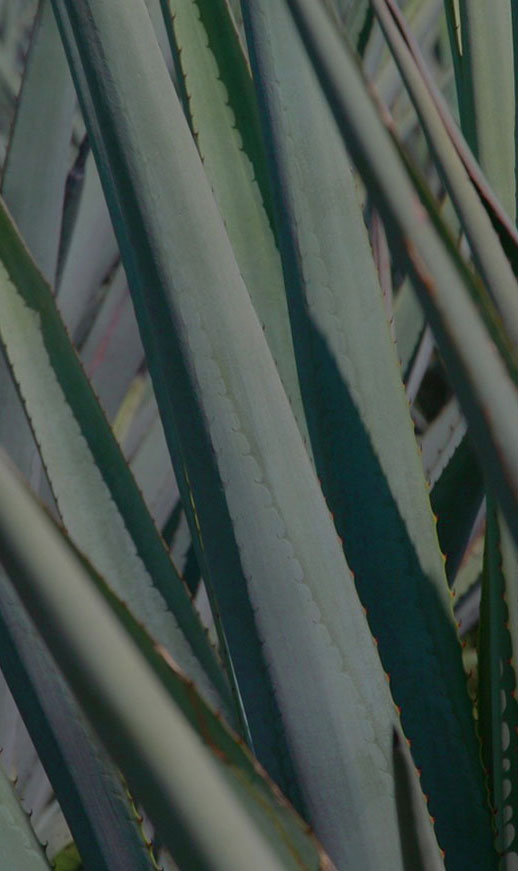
259, 315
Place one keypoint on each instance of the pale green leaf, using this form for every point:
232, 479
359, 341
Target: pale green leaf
101, 506
19, 848
358, 417
485, 245
409, 324
112, 352
202, 810
36, 167
269, 544
488, 70
81, 273
33, 186
497, 703
89, 787
420, 852
478, 357
203, 34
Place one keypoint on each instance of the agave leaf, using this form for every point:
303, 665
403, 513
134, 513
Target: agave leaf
468, 606
39, 796
151, 466
514, 14
381, 256
269, 545
81, 274
140, 432
470, 572
135, 415
468, 581
191, 571
15, 434
422, 18
451, 10
51, 826
362, 435
112, 352
420, 365
33, 184
86, 783
441, 439
19, 757
497, 704
409, 324
73, 194
505, 227
223, 116
96, 494
36, 166
154, 8
179, 777
456, 480
420, 852
20, 848
358, 19
223, 46
283, 824
479, 361
485, 246
488, 69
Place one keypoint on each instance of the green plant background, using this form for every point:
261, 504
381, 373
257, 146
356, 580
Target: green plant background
259, 431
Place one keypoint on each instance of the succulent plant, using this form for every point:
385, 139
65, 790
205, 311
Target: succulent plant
259, 318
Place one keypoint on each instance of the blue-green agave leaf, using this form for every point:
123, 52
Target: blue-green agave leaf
266, 542
223, 114
19, 847
91, 791
480, 361
33, 185
212, 813
503, 225
488, 68
446, 289
358, 418
409, 323
420, 852
497, 702
96, 494
80, 274
487, 251
112, 352
456, 480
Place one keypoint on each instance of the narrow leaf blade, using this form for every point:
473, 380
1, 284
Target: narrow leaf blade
267, 535
191, 796
109, 521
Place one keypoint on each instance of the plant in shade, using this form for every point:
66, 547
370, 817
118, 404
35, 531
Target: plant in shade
259, 319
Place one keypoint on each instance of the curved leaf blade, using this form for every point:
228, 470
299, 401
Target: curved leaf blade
33, 185
358, 418
445, 291
497, 704
102, 508
485, 245
87, 785
488, 69
191, 796
219, 90
268, 539
20, 848
420, 853
458, 309
36, 165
